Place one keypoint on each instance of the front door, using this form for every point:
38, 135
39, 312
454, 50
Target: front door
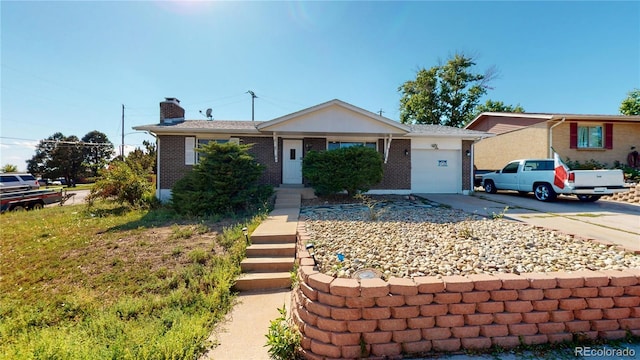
292, 161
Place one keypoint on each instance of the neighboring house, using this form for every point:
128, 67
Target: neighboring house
417, 158
604, 138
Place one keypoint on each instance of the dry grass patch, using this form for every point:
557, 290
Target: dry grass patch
114, 283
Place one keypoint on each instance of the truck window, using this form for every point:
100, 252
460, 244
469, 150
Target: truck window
538, 165
511, 168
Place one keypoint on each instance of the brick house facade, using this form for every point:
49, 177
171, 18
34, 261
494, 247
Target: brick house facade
606, 139
417, 158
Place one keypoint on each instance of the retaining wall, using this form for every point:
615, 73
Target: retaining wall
349, 318
631, 196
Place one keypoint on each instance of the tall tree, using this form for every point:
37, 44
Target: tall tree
143, 160
631, 105
445, 94
97, 151
58, 156
497, 106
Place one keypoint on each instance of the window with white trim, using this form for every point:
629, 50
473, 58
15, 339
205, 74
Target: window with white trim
590, 137
331, 145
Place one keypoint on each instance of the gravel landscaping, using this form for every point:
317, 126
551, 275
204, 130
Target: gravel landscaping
415, 238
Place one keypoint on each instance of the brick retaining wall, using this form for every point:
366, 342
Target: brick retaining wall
631, 196
349, 318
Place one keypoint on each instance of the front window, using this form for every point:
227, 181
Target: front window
344, 144
590, 136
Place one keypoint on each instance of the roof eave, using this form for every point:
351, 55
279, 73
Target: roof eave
166, 130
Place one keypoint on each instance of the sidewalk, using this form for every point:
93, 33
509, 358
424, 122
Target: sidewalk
242, 335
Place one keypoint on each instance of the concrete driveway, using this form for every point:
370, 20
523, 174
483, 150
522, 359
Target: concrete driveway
77, 198
607, 222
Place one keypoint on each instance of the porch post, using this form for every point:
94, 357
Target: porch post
387, 145
275, 146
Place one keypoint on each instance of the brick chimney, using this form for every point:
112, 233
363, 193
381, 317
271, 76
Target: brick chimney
171, 112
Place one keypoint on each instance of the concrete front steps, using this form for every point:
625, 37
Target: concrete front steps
271, 255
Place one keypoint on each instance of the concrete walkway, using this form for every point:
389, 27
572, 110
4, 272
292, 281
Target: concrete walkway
242, 335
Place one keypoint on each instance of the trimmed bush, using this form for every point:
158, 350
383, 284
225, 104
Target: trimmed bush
353, 169
224, 182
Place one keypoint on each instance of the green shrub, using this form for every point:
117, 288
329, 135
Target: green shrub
283, 339
224, 182
630, 174
586, 165
354, 169
122, 184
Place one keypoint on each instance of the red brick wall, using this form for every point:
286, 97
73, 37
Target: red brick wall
172, 167
262, 150
171, 154
466, 165
397, 170
338, 318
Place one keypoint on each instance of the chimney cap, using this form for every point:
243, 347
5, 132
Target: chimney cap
172, 99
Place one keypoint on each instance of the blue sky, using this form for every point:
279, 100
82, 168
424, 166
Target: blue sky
69, 66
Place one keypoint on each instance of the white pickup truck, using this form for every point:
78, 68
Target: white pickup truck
538, 176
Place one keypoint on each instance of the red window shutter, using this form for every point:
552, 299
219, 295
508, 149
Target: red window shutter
608, 136
573, 135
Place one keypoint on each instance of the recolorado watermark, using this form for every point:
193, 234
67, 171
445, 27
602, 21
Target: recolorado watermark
587, 351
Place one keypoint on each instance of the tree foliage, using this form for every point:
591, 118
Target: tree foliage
497, 106
631, 104
69, 157
9, 168
224, 182
96, 157
145, 160
58, 156
444, 95
353, 169
120, 183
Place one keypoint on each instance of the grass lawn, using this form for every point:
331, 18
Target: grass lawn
109, 283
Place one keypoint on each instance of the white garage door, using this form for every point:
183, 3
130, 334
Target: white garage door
435, 171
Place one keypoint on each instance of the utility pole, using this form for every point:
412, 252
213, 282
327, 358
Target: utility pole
253, 96
122, 146
380, 112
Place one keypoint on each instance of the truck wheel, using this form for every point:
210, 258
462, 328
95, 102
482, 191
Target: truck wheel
37, 206
18, 208
544, 192
489, 187
588, 198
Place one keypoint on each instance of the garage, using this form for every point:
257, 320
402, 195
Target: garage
435, 171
